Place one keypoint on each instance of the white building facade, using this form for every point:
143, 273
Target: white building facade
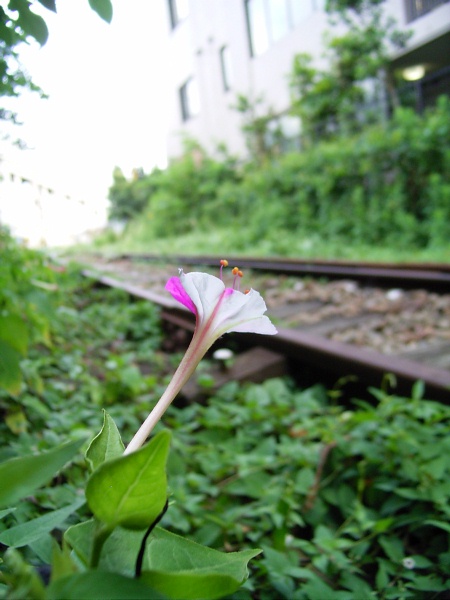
219, 49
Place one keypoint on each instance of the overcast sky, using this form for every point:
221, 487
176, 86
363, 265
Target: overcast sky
106, 107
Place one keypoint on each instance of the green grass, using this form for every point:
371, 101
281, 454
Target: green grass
226, 242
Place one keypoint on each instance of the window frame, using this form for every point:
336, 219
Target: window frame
225, 68
188, 109
174, 13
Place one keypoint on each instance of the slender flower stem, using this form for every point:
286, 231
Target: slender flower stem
195, 352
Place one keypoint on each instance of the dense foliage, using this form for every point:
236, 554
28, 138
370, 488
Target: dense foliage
357, 86
344, 497
343, 500
386, 185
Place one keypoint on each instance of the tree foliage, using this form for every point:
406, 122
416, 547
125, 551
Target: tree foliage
129, 197
330, 100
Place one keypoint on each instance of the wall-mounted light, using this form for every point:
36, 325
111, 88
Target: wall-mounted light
413, 73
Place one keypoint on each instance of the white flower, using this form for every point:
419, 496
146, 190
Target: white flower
409, 563
218, 310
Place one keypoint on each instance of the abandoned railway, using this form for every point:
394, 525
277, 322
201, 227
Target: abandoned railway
366, 323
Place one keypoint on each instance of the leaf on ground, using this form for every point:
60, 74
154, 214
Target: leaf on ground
21, 476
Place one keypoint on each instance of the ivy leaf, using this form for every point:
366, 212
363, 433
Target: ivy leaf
131, 490
106, 445
23, 475
103, 8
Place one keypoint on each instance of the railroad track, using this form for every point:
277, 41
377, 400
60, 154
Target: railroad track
431, 276
332, 329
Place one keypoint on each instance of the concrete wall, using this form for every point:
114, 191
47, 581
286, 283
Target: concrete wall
194, 52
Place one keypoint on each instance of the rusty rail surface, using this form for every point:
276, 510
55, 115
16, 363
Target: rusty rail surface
430, 276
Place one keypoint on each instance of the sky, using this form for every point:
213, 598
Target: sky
106, 108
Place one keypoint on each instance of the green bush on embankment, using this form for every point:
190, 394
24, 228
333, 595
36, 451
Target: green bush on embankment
387, 186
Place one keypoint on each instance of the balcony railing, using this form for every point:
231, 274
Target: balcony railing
417, 8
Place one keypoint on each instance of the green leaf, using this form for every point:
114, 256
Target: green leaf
382, 576
26, 533
6, 511
22, 577
14, 332
119, 551
441, 524
101, 586
23, 475
172, 565
317, 589
180, 568
33, 25
428, 583
106, 445
393, 548
103, 8
131, 490
62, 561
10, 373
50, 4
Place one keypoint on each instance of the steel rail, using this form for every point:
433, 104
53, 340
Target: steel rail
431, 276
312, 350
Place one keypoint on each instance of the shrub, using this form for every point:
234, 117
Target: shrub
386, 185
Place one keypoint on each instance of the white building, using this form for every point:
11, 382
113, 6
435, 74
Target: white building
221, 48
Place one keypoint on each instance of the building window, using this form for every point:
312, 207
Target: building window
178, 10
189, 99
417, 8
225, 66
257, 26
270, 20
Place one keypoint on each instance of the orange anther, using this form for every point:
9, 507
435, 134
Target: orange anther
240, 273
235, 271
247, 292
224, 263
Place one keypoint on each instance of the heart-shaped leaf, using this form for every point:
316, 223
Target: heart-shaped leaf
131, 490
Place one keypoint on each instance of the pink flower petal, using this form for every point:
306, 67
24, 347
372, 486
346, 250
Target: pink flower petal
175, 287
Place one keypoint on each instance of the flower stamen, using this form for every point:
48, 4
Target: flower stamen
237, 274
223, 263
